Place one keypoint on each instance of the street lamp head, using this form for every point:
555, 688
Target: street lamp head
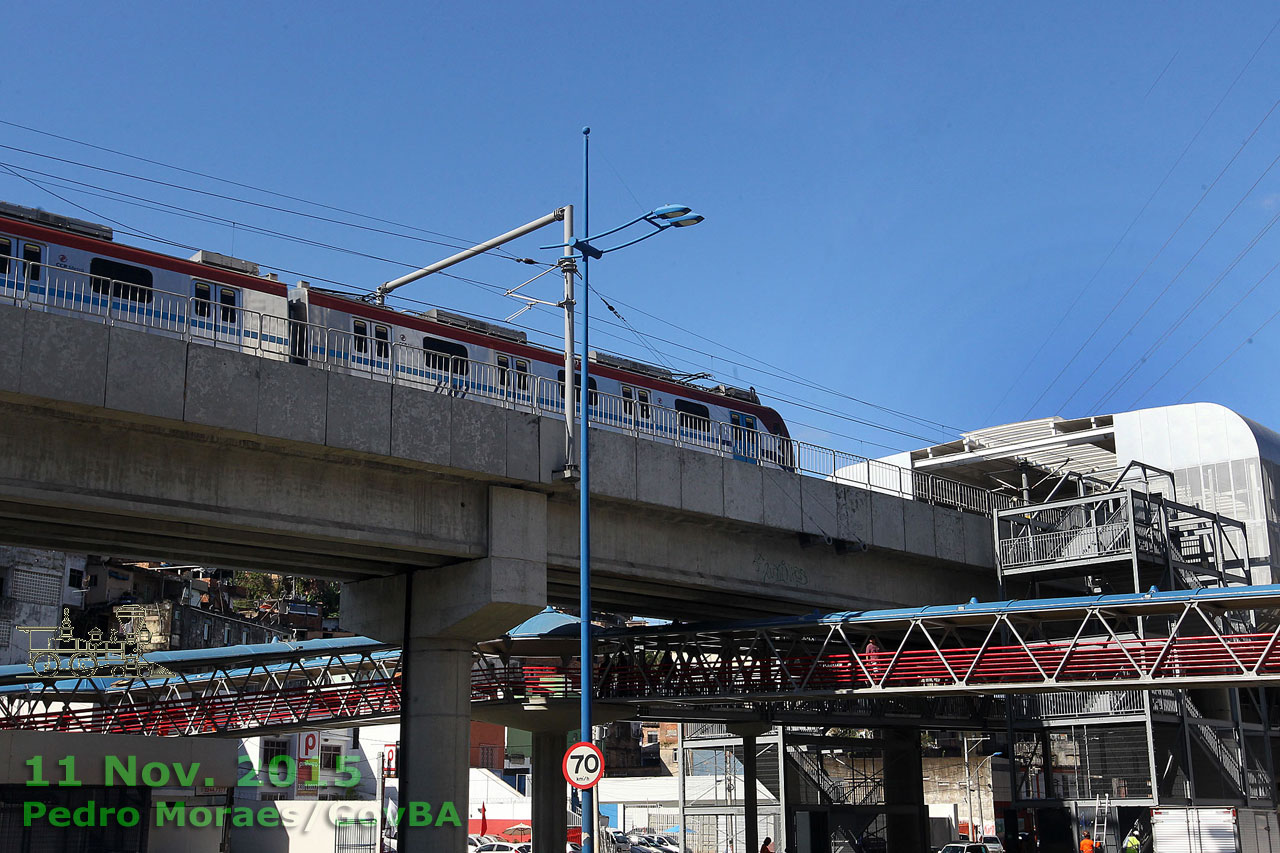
671, 211
685, 221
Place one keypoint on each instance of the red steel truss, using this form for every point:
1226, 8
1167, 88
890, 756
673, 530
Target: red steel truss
1175, 639
1158, 640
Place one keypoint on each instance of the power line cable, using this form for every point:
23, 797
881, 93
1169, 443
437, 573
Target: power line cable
497, 289
1209, 331
249, 202
1160, 76
198, 216
283, 235
81, 207
1230, 355
787, 375
1147, 204
1173, 327
1151, 304
231, 182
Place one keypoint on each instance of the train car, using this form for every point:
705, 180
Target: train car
68, 265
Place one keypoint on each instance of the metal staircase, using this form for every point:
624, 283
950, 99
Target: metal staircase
833, 791
1251, 783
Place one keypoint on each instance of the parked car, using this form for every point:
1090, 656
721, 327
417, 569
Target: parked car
965, 847
993, 843
503, 847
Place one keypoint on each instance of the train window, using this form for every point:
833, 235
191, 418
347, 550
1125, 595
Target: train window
446, 356
361, 329
227, 298
6, 250
32, 255
693, 415
204, 294
123, 281
382, 341
577, 383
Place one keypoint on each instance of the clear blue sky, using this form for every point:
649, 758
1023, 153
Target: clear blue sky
902, 200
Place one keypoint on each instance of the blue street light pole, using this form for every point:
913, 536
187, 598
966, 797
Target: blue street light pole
662, 218
584, 515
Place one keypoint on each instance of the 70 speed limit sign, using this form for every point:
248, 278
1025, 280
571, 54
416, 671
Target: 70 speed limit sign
583, 765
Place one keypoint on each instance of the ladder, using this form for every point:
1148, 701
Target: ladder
1101, 808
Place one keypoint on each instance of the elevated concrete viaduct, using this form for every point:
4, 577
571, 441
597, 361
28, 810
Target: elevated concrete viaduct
119, 441
441, 514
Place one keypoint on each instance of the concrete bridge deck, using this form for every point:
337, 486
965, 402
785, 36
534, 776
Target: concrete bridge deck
118, 441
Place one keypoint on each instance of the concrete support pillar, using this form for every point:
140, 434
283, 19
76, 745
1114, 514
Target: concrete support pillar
906, 812
749, 732
438, 615
550, 792
435, 740
749, 805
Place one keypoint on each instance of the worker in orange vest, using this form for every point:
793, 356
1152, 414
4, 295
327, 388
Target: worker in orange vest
1086, 843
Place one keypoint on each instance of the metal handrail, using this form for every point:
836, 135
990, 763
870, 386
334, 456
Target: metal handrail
1075, 543
268, 336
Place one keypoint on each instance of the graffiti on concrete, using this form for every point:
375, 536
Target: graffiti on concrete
780, 572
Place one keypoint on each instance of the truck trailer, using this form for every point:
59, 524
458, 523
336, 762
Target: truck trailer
1214, 830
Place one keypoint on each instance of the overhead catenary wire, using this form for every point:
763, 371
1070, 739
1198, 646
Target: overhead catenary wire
1176, 324
1248, 340
1168, 285
249, 202
240, 184
93, 213
787, 375
237, 223
1080, 294
494, 288
1208, 331
1116, 305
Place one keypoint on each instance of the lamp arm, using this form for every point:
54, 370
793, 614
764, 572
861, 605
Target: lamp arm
644, 218
660, 229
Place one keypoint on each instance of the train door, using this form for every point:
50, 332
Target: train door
746, 439
513, 378
216, 312
9, 268
370, 346
635, 407
32, 276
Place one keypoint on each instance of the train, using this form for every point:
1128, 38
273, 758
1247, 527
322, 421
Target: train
63, 264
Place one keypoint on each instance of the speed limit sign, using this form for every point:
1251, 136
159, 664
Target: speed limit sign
583, 765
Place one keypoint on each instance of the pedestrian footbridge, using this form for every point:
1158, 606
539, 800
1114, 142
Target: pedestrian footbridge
1156, 640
